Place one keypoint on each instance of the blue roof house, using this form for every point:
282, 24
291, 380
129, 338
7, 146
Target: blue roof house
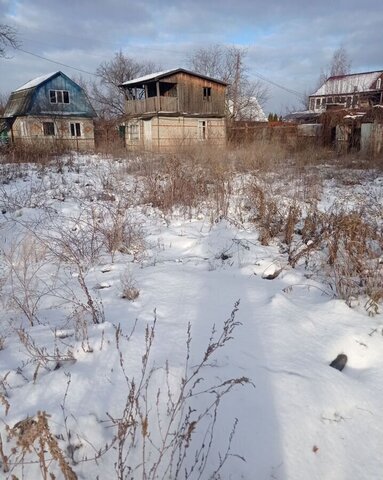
51, 108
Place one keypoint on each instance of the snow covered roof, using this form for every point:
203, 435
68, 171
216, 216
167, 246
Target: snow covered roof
158, 75
36, 81
343, 84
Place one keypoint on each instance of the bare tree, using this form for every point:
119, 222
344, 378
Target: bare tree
8, 38
227, 63
106, 94
340, 64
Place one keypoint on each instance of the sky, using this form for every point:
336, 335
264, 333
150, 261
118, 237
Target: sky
287, 43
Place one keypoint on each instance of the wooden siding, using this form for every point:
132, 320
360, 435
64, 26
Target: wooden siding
190, 97
152, 104
78, 105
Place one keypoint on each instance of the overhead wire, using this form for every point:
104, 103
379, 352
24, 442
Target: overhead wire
257, 74
56, 62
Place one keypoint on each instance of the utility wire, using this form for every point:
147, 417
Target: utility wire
257, 74
265, 79
58, 63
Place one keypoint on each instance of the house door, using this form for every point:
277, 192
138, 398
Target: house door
148, 134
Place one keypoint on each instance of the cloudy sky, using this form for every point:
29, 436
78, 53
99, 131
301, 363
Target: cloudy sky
288, 42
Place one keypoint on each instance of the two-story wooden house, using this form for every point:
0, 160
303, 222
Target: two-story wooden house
353, 91
174, 109
51, 108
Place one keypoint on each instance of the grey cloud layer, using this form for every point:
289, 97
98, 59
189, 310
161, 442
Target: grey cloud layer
288, 41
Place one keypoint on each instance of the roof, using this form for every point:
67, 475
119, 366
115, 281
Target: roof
306, 116
153, 77
37, 81
23, 100
18, 103
343, 84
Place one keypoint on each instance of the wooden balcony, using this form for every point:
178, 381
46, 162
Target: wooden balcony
152, 104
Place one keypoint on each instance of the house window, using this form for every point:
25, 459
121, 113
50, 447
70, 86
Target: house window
202, 130
59, 96
312, 104
133, 131
318, 102
323, 101
207, 93
49, 129
75, 129
348, 103
379, 84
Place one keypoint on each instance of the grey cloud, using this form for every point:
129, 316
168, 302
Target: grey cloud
288, 41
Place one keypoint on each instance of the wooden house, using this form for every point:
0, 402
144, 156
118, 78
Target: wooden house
354, 91
51, 108
176, 108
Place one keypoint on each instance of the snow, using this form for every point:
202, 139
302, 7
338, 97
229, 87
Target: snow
303, 420
151, 76
36, 81
362, 82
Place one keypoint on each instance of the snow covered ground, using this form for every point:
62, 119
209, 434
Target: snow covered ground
62, 353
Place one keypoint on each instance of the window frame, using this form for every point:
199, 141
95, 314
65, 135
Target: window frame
59, 97
75, 129
207, 94
133, 132
202, 130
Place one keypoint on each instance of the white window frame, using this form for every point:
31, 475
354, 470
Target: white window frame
58, 96
379, 84
75, 129
133, 132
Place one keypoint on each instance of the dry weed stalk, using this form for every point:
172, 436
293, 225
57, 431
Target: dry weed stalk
33, 436
174, 432
26, 261
129, 289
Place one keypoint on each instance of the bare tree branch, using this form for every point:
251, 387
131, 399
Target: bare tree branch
8, 38
340, 64
245, 95
107, 96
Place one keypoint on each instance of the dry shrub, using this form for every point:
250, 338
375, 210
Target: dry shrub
350, 247
188, 180
39, 151
119, 232
25, 261
165, 432
268, 214
31, 441
129, 289
260, 156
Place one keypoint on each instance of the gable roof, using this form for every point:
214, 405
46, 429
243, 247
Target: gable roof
37, 81
23, 100
153, 77
343, 84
